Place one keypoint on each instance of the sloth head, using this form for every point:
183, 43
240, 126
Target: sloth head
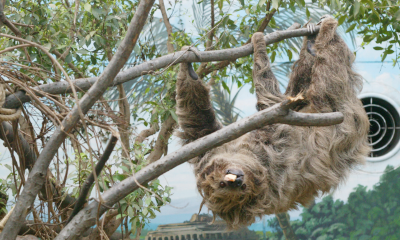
234, 188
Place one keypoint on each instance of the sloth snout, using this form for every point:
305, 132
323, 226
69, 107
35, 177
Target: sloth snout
234, 178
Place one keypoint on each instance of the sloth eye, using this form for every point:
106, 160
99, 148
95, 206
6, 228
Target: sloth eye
243, 187
222, 184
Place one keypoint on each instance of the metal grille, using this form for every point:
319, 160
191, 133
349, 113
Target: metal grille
384, 132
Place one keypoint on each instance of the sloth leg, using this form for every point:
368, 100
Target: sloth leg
196, 115
265, 83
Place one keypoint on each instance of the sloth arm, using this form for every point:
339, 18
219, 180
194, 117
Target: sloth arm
328, 88
300, 77
265, 83
196, 115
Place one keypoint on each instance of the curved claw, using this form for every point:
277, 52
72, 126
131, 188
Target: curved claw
311, 28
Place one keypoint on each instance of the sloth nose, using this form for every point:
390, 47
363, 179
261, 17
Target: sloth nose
236, 184
234, 177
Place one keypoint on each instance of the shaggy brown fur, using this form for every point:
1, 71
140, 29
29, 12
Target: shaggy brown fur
282, 165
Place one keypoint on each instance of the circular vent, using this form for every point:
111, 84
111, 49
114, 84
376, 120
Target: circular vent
384, 132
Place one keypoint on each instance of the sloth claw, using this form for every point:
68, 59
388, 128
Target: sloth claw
311, 28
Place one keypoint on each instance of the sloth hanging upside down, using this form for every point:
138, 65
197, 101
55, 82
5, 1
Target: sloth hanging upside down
277, 167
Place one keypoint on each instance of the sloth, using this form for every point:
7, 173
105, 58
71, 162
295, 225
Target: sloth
276, 168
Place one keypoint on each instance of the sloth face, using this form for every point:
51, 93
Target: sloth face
232, 189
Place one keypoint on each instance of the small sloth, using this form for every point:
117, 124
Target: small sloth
277, 167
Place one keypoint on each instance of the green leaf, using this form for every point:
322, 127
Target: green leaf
119, 177
378, 48
96, 12
173, 114
275, 3
226, 87
308, 13
302, 3
82, 51
10, 168
368, 38
341, 19
68, 59
130, 211
356, 8
397, 15
261, 2
232, 40
220, 4
351, 27
147, 201
136, 206
145, 211
87, 7
47, 46
273, 56
133, 227
290, 54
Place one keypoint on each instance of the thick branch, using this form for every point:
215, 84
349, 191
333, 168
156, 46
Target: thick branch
89, 181
38, 174
275, 114
15, 100
9, 24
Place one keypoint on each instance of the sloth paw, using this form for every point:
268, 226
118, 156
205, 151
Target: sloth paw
192, 49
191, 71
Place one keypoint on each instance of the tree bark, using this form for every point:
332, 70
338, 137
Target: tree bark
279, 113
38, 174
123, 128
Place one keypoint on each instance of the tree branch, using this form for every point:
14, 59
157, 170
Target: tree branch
162, 140
15, 100
170, 47
123, 128
275, 114
89, 181
38, 174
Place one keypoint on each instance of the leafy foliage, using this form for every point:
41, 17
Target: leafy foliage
367, 214
377, 21
224, 104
